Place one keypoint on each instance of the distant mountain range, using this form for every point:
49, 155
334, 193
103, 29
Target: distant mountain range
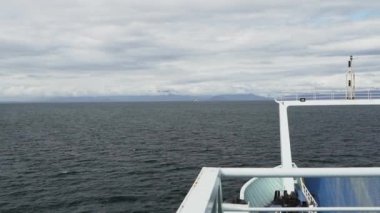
154, 98
239, 97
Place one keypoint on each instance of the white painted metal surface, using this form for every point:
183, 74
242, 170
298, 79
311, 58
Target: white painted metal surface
302, 209
327, 102
370, 93
227, 206
205, 194
286, 154
301, 172
248, 186
259, 192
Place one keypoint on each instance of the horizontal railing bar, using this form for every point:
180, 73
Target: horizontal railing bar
301, 209
320, 94
301, 172
327, 102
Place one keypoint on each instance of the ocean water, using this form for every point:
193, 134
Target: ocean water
144, 157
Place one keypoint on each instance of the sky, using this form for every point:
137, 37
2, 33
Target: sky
107, 47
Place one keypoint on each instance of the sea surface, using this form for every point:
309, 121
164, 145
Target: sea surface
144, 157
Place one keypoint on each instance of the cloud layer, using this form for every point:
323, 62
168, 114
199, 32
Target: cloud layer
109, 47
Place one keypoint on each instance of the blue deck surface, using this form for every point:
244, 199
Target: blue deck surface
333, 192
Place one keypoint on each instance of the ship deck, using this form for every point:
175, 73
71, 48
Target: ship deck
335, 189
206, 193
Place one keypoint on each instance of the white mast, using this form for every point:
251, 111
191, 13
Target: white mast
350, 81
286, 153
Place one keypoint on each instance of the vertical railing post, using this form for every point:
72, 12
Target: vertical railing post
369, 94
220, 197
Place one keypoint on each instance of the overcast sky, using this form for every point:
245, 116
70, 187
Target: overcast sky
109, 47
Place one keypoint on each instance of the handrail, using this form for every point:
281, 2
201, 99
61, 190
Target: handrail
205, 194
372, 93
309, 197
301, 209
301, 172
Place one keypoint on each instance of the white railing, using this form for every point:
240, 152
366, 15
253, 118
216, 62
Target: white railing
330, 95
206, 193
309, 197
303, 209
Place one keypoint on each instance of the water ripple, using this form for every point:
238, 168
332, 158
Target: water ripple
144, 157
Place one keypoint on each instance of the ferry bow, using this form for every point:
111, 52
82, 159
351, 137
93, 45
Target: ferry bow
287, 188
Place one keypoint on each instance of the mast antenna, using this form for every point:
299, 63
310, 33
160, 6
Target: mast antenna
350, 81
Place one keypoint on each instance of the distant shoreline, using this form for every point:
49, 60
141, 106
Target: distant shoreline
100, 102
146, 98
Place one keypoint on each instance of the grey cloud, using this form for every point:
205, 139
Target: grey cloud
10, 49
139, 47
